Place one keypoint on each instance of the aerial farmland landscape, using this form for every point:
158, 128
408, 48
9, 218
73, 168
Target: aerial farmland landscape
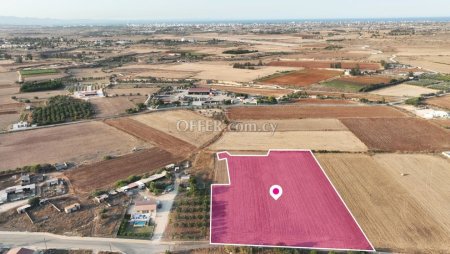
228, 127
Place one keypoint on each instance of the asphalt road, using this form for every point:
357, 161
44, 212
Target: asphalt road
46, 240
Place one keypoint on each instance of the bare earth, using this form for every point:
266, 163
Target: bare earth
308, 124
314, 140
391, 215
79, 143
441, 102
114, 106
183, 124
297, 112
403, 90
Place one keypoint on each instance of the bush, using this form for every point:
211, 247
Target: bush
34, 201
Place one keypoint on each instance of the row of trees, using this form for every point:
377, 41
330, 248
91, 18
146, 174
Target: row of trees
41, 86
247, 65
61, 109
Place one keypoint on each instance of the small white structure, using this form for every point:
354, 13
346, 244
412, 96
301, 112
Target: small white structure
101, 198
89, 93
22, 209
20, 125
72, 208
446, 154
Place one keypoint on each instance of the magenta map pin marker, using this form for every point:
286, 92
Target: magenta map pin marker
276, 191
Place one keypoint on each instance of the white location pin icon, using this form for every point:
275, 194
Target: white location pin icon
276, 191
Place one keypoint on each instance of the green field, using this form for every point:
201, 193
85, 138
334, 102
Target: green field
33, 72
342, 86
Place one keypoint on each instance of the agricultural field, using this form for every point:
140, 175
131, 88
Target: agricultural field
119, 91
6, 120
389, 207
326, 64
298, 112
114, 106
78, 143
251, 90
104, 174
301, 78
354, 84
183, 124
312, 101
223, 71
32, 72
324, 221
399, 134
440, 102
403, 90
8, 78
314, 140
308, 124
151, 135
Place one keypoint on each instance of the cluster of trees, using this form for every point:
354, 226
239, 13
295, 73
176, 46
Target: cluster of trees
415, 101
37, 168
333, 47
267, 100
356, 71
61, 109
28, 87
381, 85
293, 96
139, 107
130, 179
336, 65
247, 65
239, 51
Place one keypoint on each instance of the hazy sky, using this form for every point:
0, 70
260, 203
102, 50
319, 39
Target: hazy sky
223, 9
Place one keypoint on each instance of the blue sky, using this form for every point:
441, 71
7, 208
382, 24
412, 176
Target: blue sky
223, 9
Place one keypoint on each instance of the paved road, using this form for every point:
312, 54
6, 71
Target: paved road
46, 240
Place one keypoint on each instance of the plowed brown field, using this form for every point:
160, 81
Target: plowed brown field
169, 143
302, 78
399, 134
104, 174
296, 112
325, 64
442, 102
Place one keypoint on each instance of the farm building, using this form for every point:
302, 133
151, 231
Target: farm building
199, 91
61, 166
101, 198
72, 208
25, 179
145, 206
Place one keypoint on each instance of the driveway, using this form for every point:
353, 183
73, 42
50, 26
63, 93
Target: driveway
162, 215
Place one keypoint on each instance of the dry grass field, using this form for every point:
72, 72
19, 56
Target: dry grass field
393, 215
174, 145
399, 134
301, 78
326, 64
426, 179
223, 71
104, 174
314, 140
441, 102
8, 78
114, 106
298, 112
183, 124
79, 143
313, 101
403, 90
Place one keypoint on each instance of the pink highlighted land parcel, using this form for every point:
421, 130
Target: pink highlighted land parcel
309, 213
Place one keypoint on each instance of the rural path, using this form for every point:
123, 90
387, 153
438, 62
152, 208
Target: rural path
162, 216
47, 240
